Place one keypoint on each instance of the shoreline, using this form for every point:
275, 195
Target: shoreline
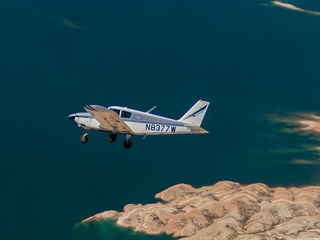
224, 211
292, 7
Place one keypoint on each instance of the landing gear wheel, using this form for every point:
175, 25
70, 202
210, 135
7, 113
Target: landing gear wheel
127, 144
112, 137
84, 138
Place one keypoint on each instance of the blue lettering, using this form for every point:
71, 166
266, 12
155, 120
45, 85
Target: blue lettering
160, 128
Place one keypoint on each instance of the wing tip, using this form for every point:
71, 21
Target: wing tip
89, 107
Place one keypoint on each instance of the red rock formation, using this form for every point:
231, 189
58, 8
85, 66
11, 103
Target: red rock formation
227, 210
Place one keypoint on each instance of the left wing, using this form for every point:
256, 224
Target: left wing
108, 119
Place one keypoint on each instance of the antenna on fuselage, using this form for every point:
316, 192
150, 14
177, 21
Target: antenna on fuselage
151, 109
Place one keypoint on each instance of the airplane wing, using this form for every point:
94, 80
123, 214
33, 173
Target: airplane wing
108, 119
197, 129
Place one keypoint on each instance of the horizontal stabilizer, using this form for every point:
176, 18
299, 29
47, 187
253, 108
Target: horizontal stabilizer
197, 129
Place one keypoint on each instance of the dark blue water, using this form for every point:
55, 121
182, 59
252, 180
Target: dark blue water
249, 60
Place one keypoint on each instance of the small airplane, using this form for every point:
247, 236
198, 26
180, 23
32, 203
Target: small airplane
123, 120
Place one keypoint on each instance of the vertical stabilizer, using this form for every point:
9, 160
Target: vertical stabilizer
196, 114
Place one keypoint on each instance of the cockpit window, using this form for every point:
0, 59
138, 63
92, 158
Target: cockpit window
125, 114
115, 110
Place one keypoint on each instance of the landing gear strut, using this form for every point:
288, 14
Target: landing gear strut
84, 138
127, 143
112, 137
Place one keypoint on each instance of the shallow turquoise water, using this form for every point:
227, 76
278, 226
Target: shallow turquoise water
108, 230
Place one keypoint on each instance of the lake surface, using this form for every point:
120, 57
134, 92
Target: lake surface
257, 64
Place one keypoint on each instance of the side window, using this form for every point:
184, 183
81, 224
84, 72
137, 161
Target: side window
125, 114
115, 110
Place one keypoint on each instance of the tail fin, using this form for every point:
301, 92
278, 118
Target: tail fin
196, 114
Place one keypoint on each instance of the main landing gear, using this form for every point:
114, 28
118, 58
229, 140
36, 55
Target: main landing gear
112, 138
127, 144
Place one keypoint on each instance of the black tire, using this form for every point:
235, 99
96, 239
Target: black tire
112, 137
127, 144
84, 138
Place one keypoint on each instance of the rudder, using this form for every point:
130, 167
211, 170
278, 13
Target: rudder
196, 113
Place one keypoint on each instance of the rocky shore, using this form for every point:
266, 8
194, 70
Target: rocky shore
226, 210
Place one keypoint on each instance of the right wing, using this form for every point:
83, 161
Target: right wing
108, 119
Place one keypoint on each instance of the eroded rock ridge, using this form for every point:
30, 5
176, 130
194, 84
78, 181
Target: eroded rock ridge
226, 210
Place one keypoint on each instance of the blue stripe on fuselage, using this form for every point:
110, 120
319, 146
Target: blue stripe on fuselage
83, 115
136, 120
153, 122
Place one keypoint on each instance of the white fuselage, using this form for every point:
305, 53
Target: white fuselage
141, 123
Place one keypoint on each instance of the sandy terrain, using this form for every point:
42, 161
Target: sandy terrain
226, 210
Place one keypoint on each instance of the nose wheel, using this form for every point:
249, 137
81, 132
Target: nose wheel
84, 138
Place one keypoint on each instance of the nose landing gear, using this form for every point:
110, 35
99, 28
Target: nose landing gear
84, 138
